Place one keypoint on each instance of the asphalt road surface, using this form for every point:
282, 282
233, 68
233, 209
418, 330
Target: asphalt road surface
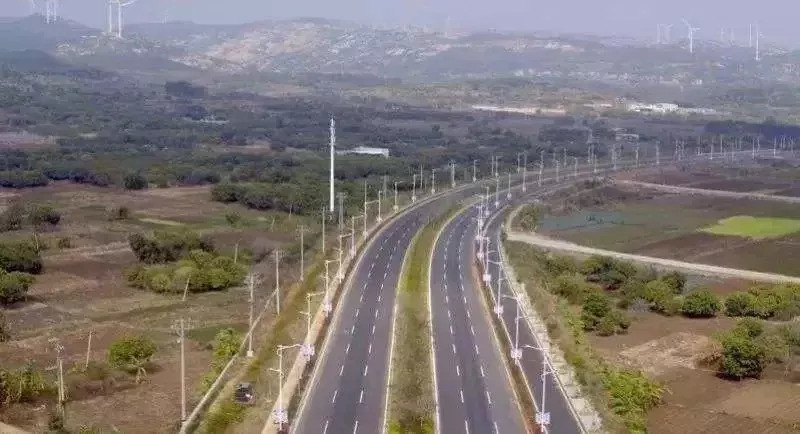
473, 387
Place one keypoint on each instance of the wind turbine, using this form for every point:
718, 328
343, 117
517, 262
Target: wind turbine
120, 6
758, 43
691, 34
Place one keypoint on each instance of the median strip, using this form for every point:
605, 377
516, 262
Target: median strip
411, 398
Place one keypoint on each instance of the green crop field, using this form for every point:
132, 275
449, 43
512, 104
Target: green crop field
757, 228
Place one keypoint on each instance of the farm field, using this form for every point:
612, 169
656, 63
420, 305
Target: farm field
739, 233
82, 290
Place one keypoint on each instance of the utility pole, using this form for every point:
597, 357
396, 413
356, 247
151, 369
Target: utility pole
302, 252
308, 347
433, 181
353, 236
327, 307
524, 171
508, 193
518, 168
280, 416
574, 167
251, 284
341, 210
497, 192
323, 231
333, 151
395, 207
541, 167
452, 175
88, 349
380, 217
181, 329
414, 189
277, 282
474, 170
62, 394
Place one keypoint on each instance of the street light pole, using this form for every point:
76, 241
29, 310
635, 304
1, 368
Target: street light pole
474, 170
497, 192
452, 175
302, 252
414, 189
508, 193
278, 282
323, 231
433, 181
328, 306
251, 283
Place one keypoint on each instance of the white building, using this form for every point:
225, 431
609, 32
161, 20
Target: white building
366, 150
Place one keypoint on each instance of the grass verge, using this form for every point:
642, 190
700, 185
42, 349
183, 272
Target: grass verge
622, 397
411, 394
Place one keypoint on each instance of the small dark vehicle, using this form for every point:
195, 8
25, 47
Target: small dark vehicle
243, 393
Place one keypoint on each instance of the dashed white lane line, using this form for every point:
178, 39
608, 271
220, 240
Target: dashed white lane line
366, 368
451, 330
477, 351
361, 397
334, 395
454, 348
369, 350
341, 370
325, 430
446, 299
347, 350
373, 329
357, 312
352, 329
472, 329
355, 428
496, 431
458, 371
448, 314
461, 391
482, 374
488, 398
376, 313
466, 426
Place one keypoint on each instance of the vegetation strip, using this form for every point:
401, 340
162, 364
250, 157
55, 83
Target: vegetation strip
411, 393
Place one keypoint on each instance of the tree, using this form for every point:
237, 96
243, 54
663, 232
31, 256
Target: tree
233, 218
658, 294
119, 213
135, 181
20, 256
14, 286
700, 304
131, 354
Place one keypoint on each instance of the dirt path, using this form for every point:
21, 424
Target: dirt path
706, 270
706, 192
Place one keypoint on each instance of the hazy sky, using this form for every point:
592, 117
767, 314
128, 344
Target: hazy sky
625, 17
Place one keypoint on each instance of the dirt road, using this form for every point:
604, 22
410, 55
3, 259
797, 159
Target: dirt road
706, 192
703, 269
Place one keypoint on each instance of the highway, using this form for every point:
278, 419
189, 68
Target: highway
474, 392
347, 391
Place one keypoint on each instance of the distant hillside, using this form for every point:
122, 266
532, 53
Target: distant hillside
32, 33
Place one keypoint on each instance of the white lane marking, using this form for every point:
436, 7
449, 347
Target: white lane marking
324, 431
341, 370
461, 391
379, 298
468, 314
477, 351
448, 313
466, 426
376, 313
357, 312
360, 300
496, 431
465, 299
451, 329
347, 350
482, 374
355, 428
373, 329
369, 350
366, 367
446, 299
361, 397
488, 397
352, 329
458, 371
334, 395
454, 348
472, 329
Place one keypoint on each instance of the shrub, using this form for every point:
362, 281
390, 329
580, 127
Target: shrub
659, 295
64, 243
233, 218
742, 355
131, 353
5, 333
134, 181
675, 280
119, 213
227, 192
569, 286
20, 256
631, 395
607, 271
700, 304
14, 286
739, 304
167, 246
22, 385
596, 306
204, 271
529, 217
39, 215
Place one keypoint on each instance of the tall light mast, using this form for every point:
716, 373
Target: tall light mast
333, 146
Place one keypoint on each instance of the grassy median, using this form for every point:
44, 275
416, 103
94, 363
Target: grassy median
411, 400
